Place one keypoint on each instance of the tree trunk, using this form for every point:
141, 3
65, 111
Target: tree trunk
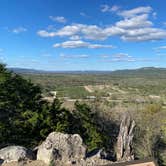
125, 139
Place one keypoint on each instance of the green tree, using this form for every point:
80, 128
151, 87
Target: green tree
87, 126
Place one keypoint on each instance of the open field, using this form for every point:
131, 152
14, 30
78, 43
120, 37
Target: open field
126, 87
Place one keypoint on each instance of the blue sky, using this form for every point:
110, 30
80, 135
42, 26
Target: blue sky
83, 34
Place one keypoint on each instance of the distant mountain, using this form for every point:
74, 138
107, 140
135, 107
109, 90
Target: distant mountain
27, 71
34, 71
141, 72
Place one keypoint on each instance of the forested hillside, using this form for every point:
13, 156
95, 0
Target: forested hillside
26, 118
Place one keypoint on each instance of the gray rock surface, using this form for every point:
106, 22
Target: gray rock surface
15, 153
59, 147
67, 150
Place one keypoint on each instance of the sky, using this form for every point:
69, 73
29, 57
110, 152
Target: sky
66, 35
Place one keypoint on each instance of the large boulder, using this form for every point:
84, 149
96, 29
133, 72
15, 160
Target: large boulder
62, 148
15, 153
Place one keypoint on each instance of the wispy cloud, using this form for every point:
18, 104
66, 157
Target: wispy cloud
121, 55
160, 48
130, 60
59, 19
83, 14
106, 8
46, 55
75, 56
80, 44
19, 30
125, 57
161, 54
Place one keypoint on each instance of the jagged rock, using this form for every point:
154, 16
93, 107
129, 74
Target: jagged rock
125, 139
15, 153
62, 148
68, 150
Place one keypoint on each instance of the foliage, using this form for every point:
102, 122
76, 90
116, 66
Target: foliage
90, 132
26, 118
149, 134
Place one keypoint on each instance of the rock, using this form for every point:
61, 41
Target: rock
15, 153
125, 139
97, 159
99, 153
62, 148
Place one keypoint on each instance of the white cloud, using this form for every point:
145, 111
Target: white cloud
19, 30
161, 47
75, 37
144, 34
130, 60
92, 32
70, 30
80, 44
124, 57
135, 26
115, 8
135, 11
105, 56
121, 55
59, 19
135, 22
161, 54
84, 15
44, 33
122, 60
107, 8
74, 56
117, 56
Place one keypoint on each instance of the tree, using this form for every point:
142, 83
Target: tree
87, 127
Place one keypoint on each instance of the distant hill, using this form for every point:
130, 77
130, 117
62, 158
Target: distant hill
34, 71
141, 72
28, 71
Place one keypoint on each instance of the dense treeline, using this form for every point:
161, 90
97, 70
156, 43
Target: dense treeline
26, 119
147, 80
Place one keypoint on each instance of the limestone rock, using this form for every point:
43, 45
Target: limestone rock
62, 148
15, 153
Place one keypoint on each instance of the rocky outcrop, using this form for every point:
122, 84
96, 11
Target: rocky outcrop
67, 150
59, 147
15, 153
125, 139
